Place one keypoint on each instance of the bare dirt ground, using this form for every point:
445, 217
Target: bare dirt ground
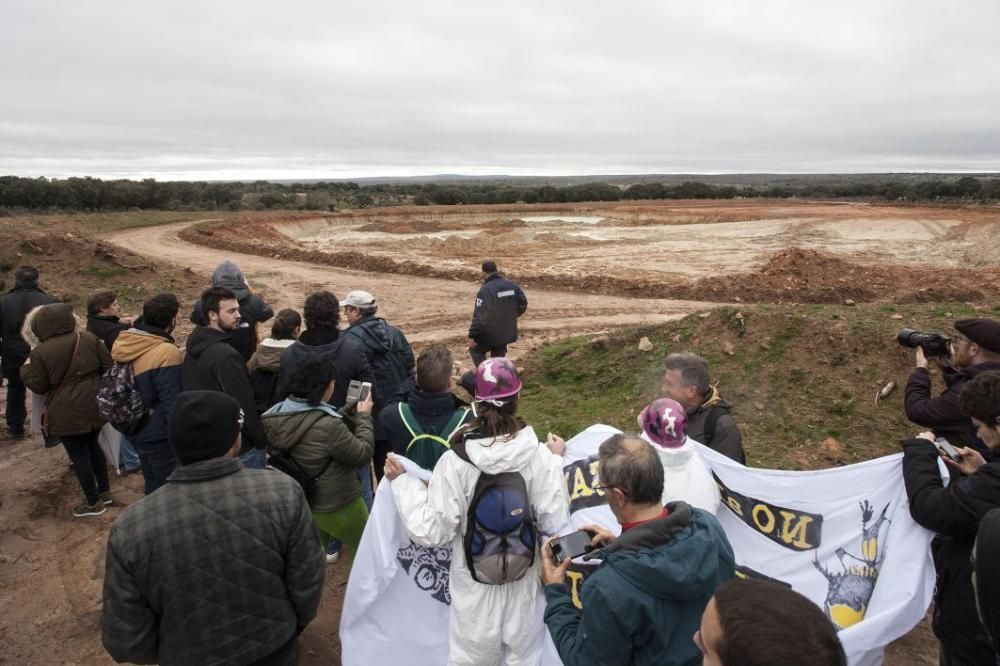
732, 251
583, 278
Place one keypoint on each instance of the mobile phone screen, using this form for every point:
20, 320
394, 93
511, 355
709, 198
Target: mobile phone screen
570, 546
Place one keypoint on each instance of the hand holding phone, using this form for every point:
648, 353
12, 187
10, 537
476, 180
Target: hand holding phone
571, 546
945, 448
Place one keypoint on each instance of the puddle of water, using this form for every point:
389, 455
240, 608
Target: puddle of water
582, 219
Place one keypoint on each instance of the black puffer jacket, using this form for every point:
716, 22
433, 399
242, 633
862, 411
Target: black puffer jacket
21, 300
348, 358
222, 565
498, 305
389, 355
106, 327
211, 364
954, 513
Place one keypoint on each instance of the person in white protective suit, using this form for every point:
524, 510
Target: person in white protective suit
685, 474
489, 623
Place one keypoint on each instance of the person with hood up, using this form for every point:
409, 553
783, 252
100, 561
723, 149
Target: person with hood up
645, 600
321, 443
212, 364
709, 422
686, 477
265, 364
67, 366
490, 623
253, 310
156, 366
14, 306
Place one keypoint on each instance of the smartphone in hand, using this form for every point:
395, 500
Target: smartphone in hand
571, 546
945, 448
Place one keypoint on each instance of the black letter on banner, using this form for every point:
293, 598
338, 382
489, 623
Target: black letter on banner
580, 479
795, 530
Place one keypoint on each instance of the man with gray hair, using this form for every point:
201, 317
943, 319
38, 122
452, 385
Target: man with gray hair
646, 599
687, 381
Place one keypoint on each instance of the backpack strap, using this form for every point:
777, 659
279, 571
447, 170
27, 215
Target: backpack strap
456, 422
409, 420
711, 420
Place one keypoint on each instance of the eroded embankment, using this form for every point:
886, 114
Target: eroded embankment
790, 275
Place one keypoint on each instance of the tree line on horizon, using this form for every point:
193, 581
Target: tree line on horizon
94, 194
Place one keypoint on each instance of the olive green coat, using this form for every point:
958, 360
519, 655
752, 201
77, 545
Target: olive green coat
72, 406
312, 436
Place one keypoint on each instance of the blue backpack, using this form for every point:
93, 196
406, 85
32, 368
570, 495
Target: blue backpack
500, 534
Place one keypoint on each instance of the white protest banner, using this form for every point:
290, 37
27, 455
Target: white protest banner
842, 537
397, 600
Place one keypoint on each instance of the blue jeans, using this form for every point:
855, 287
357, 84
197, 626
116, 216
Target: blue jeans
254, 459
367, 495
157, 462
127, 455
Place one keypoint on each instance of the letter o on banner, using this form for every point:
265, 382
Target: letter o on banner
763, 509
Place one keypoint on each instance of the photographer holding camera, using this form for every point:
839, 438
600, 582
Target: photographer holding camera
974, 348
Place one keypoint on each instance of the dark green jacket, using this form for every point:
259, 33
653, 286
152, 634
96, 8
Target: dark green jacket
72, 405
644, 603
313, 435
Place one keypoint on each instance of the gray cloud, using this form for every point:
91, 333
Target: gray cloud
316, 89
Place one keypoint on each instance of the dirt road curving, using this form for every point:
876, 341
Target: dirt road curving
426, 309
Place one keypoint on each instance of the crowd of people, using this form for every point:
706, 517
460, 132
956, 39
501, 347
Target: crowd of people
260, 457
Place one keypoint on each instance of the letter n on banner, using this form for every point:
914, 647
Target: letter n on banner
795, 530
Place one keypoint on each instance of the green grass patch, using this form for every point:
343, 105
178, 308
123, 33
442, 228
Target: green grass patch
796, 375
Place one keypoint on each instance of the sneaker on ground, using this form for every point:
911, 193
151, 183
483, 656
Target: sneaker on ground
106, 497
332, 557
95, 509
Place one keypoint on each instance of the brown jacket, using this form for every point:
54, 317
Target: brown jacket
72, 406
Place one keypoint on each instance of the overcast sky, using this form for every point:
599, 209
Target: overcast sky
236, 90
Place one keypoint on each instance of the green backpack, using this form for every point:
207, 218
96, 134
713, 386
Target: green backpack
425, 448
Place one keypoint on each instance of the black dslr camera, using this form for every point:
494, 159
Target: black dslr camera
933, 344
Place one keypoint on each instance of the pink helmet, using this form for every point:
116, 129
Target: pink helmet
665, 423
496, 378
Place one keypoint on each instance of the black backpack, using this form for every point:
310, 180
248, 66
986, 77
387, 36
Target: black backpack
500, 534
119, 401
283, 461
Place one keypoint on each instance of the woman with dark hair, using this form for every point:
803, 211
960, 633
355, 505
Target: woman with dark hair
319, 440
265, 364
489, 622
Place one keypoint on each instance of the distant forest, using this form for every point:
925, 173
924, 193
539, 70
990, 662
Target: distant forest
93, 194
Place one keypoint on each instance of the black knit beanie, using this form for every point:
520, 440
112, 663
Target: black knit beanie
204, 425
